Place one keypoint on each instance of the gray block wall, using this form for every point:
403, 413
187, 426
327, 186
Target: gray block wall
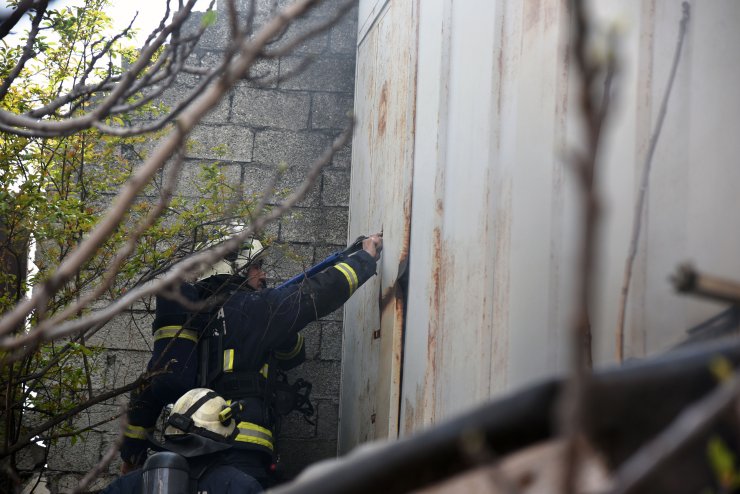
253, 130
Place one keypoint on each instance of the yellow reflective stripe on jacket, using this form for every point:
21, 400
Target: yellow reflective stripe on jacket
264, 370
255, 434
229, 360
136, 432
350, 274
175, 331
295, 351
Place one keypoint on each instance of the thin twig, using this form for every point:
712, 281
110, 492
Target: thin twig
692, 422
95, 472
180, 271
595, 107
644, 182
128, 193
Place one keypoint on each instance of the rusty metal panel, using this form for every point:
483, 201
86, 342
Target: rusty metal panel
368, 12
486, 189
495, 225
382, 164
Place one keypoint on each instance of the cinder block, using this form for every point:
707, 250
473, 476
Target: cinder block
213, 37
297, 454
262, 74
343, 157
294, 426
312, 336
324, 376
296, 149
335, 190
324, 251
331, 110
221, 142
191, 182
287, 260
327, 414
343, 36
335, 73
271, 108
290, 182
331, 340
172, 96
305, 37
126, 331
68, 483
314, 225
124, 367
102, 417
80, 455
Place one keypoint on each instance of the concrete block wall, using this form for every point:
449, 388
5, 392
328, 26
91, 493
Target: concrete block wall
253, 130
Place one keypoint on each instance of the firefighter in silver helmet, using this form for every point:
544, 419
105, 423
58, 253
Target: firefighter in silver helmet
199, 430
239, 345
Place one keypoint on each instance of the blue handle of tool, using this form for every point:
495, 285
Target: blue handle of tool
328, 262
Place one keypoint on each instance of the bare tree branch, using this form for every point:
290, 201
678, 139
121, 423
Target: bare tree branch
187, 121
109, 456
25, 126
594, 103
24, 6
180, 271
644, 181
27, 50
693, 421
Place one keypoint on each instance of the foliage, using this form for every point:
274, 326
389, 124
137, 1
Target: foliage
52, 193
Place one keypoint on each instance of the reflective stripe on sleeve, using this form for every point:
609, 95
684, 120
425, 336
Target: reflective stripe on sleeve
295, 351
175, 332
136, 432
264, 370
229, 360
350, 274
255, 434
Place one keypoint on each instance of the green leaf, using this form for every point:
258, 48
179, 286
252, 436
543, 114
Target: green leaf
721, 368
722, 461
209, 19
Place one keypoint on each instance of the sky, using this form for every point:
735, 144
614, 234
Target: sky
122, 11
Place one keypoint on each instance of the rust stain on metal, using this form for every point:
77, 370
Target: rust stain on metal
532, 13
551, 13
434, 320
387, 297
383, 109
502, 288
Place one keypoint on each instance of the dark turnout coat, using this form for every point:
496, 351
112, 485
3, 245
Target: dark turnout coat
231, 346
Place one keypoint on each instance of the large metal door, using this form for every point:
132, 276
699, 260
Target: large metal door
382, 166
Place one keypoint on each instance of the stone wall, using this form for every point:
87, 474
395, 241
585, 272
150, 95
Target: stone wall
253, 130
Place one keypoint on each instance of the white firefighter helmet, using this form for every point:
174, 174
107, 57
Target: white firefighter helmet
197, 411
195, 427
236, 262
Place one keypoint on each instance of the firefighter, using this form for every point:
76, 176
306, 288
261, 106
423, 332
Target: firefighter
197, 435
239, 346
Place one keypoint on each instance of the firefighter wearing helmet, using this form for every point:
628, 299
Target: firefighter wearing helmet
240, 344
199, 429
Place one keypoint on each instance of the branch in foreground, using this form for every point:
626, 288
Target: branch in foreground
640, 204
181, 271
631, 405
33, 433
694, 421
594, 105
207, 101
109, 456
690, 281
